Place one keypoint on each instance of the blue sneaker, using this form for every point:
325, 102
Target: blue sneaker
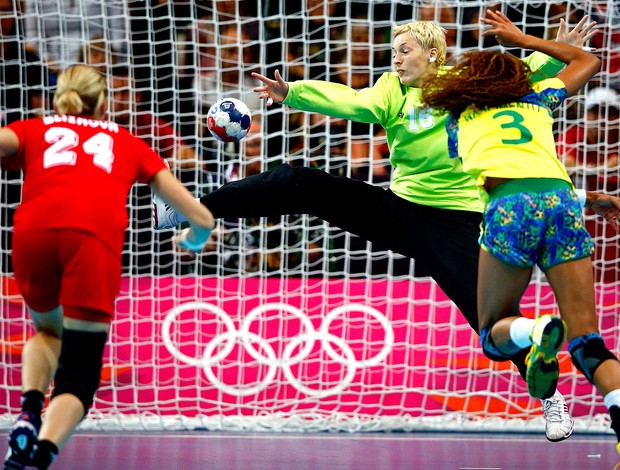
45, 453
22, 441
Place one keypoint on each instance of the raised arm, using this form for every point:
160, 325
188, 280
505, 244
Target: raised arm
544, 66
580, 65
579, 35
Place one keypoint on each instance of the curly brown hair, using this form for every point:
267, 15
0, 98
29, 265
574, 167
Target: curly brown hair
480, 78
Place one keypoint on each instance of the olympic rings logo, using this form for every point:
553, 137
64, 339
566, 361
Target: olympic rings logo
303, 343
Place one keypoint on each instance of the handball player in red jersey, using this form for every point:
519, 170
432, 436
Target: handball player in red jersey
67, 243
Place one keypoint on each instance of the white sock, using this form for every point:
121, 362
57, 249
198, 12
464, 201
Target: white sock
520, 330
612, 398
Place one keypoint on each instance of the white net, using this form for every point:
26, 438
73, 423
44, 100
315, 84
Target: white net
288, 324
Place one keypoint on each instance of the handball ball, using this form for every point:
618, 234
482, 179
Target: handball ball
229, 120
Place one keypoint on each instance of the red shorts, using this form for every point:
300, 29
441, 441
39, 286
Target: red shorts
67, 267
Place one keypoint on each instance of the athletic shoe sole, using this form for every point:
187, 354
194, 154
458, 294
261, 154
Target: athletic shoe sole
548, 336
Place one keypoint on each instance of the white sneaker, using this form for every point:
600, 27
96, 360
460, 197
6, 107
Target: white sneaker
558, 422
164, 216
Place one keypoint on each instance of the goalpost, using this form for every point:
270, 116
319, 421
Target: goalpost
288, 324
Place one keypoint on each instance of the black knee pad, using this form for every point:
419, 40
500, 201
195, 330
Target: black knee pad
490, 350
588, 352
79, 365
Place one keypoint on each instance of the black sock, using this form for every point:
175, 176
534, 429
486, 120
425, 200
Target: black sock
45, 454
519, 360
32, 401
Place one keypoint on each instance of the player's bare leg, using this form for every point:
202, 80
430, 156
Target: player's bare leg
39, 364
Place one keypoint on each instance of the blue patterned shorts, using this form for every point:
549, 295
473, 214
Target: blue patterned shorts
544, 228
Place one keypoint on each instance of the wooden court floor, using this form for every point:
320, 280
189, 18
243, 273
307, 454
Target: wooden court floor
334, 451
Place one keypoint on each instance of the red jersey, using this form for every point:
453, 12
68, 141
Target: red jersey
78, 173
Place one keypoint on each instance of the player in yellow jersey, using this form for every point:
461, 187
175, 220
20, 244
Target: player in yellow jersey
432, 211
501, 127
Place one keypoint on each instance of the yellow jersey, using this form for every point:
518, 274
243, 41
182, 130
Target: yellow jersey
514, 141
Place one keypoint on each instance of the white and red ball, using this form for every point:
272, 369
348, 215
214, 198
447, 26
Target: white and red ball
229, 120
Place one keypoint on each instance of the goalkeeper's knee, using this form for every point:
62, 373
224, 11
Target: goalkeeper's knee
298, 177
79, 365
588, 352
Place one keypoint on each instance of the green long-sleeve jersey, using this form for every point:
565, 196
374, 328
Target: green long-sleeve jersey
417, 138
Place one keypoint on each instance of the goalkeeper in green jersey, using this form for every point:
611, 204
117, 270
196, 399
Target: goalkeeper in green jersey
432, 211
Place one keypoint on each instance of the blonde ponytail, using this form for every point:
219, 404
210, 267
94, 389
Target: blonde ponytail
81, 90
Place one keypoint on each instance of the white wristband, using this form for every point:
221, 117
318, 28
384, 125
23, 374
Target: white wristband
581, 197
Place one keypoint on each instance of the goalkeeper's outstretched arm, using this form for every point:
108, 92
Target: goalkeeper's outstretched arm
274, 91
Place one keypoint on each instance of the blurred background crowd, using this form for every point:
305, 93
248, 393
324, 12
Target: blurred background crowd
168, 61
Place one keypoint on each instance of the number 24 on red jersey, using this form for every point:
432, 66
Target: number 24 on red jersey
64, 141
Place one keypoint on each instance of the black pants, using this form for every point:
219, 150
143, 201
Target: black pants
444, 242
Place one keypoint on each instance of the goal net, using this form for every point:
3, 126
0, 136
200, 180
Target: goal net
287, 323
